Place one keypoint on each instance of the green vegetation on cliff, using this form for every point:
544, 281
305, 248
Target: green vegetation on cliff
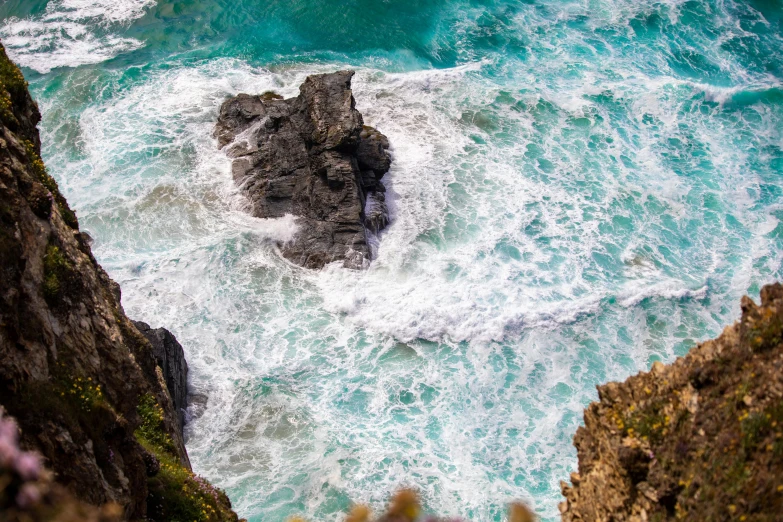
176, 494
701, 439
12, 85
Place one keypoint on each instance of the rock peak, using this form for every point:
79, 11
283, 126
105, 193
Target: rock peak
313, 157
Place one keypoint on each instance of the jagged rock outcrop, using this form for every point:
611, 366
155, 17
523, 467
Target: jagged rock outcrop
312, 157
701, 439
170, 357
77, 375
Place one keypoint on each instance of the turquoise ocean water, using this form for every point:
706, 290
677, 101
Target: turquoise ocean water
580, 188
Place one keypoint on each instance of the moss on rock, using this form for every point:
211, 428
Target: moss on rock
176, 494
57, 270
40, 172
270, 96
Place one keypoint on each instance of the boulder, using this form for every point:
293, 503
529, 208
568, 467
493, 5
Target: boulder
313, 157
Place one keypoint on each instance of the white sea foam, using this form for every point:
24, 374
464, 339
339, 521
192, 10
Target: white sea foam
541, 242
105, 11
176, 238
71, 33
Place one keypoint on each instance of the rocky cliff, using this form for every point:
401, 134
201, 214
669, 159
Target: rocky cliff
312, 157
78, 376
701, 439
170, 358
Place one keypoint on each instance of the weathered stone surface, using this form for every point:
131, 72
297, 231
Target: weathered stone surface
74, 370
312, 157
700, 439
170, 357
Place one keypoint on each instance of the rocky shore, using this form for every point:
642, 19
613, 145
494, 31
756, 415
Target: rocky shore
96, 405
312, 157
700, 439
91, 403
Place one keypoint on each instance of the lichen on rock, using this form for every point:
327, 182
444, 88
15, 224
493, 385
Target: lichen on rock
701, 439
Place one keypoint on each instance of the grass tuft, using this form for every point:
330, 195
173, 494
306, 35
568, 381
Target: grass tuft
176, 494
57, 270
42, 174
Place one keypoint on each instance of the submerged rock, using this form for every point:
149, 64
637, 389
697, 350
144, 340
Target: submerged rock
171, 359
313, 157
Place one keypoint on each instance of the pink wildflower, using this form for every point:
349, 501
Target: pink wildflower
9, 431
28, 496
28, 465
8, 453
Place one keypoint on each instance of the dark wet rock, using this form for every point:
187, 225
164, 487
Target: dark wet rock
371, 152
376, 212
170, 356
81, 381
313, 157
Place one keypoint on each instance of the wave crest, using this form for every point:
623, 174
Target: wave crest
71, 33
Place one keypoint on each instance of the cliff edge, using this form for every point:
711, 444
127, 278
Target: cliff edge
700, 439
170, 358
78, 376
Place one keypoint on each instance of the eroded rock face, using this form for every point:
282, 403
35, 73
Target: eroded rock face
310, 156
170, 357
701, 439
79, 378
